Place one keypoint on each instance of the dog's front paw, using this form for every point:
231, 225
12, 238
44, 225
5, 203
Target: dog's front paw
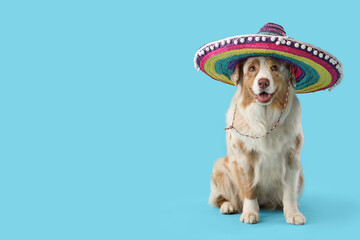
227, 208
295, 218
249, 217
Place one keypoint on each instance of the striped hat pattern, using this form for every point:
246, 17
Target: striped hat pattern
314, 68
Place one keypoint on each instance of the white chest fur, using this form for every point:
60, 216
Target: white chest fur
272, 150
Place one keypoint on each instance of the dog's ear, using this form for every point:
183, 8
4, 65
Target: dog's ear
237, 75
292, 74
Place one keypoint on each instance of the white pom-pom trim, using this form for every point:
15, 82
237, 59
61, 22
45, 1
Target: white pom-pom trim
303, 46
250, 38
327, 57
217, 44
288, 43
242, 40
212, 48
263, 38
223, 42
332, 61
236, 41
315, 52
228, 41
297, 45
257, 39
321, 55
309, 49
273, 38
277, 42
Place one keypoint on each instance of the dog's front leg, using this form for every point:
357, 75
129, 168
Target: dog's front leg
290, 189
245, 178
250, 213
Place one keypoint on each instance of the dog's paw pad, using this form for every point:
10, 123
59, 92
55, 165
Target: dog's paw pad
249, 217
227, 208
295, 218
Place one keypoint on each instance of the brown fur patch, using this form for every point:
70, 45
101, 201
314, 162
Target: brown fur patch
298, 145
221, 202
222, 179
226, 163
280, 84
218, 178
249, 77
245, 181
237, 75
295, 163
298, 141
301, 182
293, 152
251, 156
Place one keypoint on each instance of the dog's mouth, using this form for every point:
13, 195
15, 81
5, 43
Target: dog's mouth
264, 97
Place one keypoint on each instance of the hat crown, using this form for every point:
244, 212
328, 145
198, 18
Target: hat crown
272, 29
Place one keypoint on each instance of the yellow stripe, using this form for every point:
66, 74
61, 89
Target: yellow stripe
324, 75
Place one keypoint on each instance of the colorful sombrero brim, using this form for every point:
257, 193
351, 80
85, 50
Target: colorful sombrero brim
315, 69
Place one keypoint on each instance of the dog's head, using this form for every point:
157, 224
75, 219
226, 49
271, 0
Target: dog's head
263, 80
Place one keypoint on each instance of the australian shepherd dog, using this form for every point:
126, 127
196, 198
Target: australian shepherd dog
262, 166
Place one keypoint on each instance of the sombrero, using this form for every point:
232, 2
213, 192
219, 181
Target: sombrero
314, 68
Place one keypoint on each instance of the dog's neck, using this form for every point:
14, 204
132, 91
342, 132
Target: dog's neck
258, 118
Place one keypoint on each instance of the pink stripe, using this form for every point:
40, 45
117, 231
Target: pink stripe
273, 46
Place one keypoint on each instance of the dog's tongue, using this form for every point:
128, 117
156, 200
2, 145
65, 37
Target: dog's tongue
263, 97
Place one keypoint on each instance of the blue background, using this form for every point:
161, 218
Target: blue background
108, 132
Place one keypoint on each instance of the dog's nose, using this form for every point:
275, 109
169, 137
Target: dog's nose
263, 83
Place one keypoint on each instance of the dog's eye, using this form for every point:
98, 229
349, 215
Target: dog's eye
274, 68
252, 68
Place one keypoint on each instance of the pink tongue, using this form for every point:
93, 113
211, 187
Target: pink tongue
263, 97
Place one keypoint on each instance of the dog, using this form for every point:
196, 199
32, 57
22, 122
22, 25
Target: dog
262, 172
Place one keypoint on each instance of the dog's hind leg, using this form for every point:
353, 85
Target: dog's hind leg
223, 191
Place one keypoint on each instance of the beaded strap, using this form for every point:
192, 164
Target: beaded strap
275, 124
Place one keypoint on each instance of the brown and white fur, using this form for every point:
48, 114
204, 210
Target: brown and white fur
263, 172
